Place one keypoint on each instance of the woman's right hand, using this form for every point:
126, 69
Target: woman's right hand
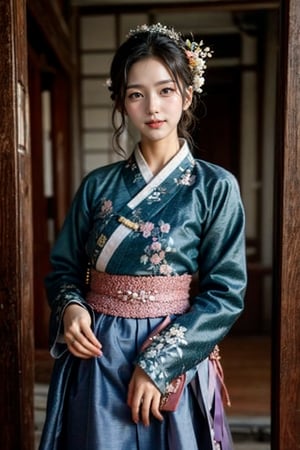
78, 334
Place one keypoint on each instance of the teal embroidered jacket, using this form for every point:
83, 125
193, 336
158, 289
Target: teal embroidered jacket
191, 220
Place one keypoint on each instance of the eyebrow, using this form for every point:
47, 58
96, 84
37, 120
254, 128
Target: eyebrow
169, 80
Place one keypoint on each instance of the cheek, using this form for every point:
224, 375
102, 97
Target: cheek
176, 107
132, 109
176, 103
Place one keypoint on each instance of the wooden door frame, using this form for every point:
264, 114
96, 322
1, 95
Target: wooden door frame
16, 260
286, 325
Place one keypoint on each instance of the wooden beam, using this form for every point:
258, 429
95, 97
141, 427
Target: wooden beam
155, 7
16, 317
286, 338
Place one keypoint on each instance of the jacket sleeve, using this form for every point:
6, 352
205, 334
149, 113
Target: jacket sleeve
65, 284
219, 300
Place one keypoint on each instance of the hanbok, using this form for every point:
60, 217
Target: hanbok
125, 222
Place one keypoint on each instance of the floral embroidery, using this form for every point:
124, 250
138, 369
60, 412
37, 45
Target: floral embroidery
141, 296
106, 209
186, 179
98, 239
165, 227
146, 228
131, 164
155, 254
68, 292
165, 345
155, 195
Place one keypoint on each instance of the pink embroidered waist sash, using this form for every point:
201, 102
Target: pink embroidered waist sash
138, 296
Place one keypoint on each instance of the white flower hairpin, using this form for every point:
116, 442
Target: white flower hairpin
197, 56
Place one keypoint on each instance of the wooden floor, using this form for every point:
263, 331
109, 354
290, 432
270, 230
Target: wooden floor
246, 365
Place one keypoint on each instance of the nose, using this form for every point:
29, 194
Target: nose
153, 104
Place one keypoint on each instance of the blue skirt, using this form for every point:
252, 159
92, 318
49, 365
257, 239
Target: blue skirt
87, 403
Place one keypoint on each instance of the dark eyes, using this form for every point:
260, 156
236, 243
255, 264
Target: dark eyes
167, 90
164, 92
134, 95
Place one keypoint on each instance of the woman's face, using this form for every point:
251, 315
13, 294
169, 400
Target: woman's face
153, 101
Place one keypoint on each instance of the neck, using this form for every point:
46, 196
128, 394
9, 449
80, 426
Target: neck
158, 154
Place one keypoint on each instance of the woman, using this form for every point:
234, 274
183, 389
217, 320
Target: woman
144, 226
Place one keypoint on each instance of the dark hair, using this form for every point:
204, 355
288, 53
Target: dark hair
144, 45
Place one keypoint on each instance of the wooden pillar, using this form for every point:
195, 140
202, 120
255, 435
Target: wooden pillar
286, 337
16, 324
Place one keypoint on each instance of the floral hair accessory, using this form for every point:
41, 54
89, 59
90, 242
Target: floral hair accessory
156, 28
197, 56
108, 83
196, 53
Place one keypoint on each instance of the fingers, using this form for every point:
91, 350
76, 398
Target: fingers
82, 342
86, 341
78, 334
135, 404
143, 406
155, 408
150, 403
91, 337
81, 347
143, 398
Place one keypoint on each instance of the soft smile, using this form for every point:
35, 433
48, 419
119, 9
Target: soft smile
155, 123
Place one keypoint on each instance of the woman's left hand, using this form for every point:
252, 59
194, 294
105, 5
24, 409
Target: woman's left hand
143, 397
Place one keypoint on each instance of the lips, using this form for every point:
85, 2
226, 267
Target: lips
155, 124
